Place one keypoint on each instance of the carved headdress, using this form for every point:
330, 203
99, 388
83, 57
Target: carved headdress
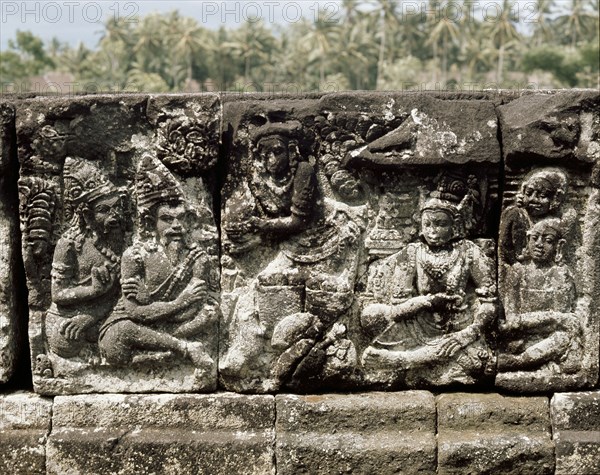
457, 198
85, 183
156, 184
291, 129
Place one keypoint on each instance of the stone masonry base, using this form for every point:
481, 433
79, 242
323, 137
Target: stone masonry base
375, 433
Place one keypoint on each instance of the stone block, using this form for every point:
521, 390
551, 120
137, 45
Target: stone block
318, 191
120, 243
383, 433
576, 432
167, 434
490, 433
549, 270
551, 127
9, 242
25, 421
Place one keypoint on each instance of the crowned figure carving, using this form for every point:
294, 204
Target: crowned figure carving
168, 302
86, 263
430, 324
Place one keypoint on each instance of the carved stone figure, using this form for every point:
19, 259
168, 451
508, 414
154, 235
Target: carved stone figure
432, 328
541, 195
548, 334
86, 264
37, 211
167, 303
540, 325
101, 175
283, 187
286, 295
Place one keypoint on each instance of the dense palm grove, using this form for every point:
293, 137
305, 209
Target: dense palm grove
370, 44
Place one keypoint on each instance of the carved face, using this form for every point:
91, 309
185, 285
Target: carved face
108, 213
538, 196
171, 223
274, 153
543, 243
437, 227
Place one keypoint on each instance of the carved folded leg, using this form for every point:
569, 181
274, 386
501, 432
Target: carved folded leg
67, 336
375, 358
375, 318
197, 354
196, 326
540, 320
548, 349
121, 339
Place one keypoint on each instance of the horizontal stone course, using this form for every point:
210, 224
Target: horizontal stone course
365, 433
25, 421
490, 433
212, 434
576, 432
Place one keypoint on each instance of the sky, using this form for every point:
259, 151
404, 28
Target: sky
75, 21
81, 21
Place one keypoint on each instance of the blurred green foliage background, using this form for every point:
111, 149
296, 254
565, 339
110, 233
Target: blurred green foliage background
372, 44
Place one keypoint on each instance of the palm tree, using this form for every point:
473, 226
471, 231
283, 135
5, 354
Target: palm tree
542, 32
353, 59
575, 23
149, 43
188, 39
388, 22
446, 32
319, 41
503, 34
254, 44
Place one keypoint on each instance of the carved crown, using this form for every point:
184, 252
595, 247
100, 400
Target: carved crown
84, 182
155, 183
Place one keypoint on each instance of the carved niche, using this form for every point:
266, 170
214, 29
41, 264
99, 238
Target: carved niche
119, 242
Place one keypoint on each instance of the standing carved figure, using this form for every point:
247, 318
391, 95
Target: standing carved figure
86, 264
166, 302
442, 303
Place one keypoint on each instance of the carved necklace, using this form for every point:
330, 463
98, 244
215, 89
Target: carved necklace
437, 264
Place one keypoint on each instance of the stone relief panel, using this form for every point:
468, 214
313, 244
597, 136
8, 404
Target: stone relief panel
120, 243
9, 243
548, 244
358, 243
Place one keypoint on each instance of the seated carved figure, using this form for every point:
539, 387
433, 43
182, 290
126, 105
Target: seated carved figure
442, 302
166, 300
539, 302
85, 268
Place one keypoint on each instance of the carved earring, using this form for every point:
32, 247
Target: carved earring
559, 258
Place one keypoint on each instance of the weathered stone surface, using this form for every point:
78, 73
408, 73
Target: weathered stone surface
24, 427
8, 243
549, 241
490, 433
167, 434
576, 432
119, 241
318, 191
562, 125
382, 433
